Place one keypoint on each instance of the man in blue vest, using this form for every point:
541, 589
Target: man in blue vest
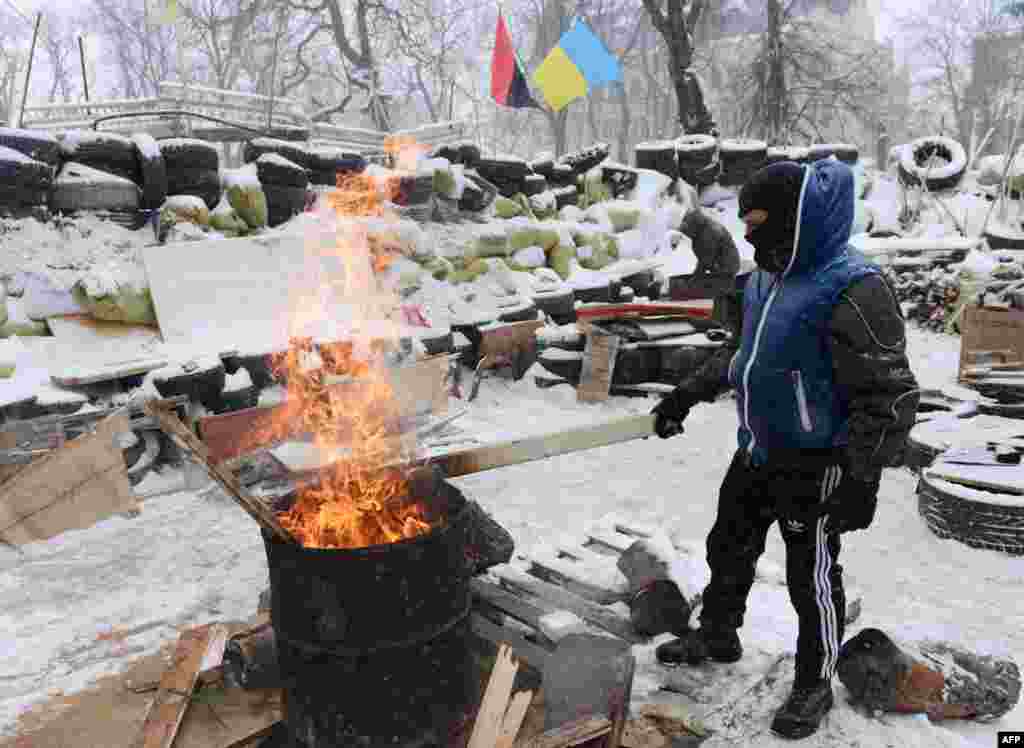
826, 399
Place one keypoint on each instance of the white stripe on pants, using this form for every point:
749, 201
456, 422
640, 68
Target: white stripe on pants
823, 580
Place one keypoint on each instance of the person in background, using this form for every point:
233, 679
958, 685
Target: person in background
826, 399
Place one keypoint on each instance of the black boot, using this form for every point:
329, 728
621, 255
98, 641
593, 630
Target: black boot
718, 644
803, 711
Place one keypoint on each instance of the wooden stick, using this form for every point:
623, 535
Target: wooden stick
196, 647
174, 428
514, 717
572, 733
487, 728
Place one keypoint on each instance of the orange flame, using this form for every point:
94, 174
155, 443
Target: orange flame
362, 497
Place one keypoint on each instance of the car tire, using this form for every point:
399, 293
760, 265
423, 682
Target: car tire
912, 168
283, 203
660, 156
106, 151
152, 171
199, 182
38, 146
973, 522
80, 187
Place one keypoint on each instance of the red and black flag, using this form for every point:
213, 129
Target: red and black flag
508, 84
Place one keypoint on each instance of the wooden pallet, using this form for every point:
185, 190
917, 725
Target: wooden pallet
573, 576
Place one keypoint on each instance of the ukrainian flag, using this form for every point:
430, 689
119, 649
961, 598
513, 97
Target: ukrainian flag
579, 63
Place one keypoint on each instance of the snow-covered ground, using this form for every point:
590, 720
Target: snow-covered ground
189, 559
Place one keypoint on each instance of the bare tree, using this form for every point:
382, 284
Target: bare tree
143, 52
59, 49
12, 66
958, 78
223, 31
676, 22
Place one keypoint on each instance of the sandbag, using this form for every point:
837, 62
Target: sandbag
506, 207
225, 220
187, 209
115, 301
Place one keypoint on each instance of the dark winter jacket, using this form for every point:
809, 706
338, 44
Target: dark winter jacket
712, 244
818, 359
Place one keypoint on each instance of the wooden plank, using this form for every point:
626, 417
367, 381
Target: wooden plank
599, 357
514, 717
497, 598
487, 727
574, 577
508, 338
102, 341
619, 705
73, 487
195, 647
516, 451
534, 655
572, 733
601, 617
185, 439
229, 717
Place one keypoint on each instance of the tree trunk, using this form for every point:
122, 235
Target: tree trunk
775, 83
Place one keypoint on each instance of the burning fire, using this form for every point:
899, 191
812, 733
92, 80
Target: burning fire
342, 396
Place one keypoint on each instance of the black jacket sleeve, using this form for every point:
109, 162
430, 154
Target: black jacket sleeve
711, 379
868, 343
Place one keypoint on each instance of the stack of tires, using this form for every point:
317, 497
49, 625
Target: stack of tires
284, 184
414, 195
478, 193
659, 156
697, 159
580, 162
193, 168
939, 162
111, 175
740, 159
845, 152
463, 154
27, 163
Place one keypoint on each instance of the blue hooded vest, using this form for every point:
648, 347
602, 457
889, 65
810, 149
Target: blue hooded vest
782, 372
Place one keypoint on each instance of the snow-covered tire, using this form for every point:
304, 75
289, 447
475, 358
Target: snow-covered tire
203, 385
680, 361
845, 152
695, 151
294, 152
23, 182
562, 175
596, 294
260, 368
133, 220
80, 187
106, 151
275, 169
636, 365
659, 156
414, 190
973, 522
499, 169
325, 164
199, 182
545, 167
436, 341
639, 281
701, 176
522, 313
740, 159
189, 153
999, 239
38, 146
584, 160
534, 184
561, 363
615, 291
566, 196
478, 193
914, 158
152, 171
141, 457
283, 203
558, 304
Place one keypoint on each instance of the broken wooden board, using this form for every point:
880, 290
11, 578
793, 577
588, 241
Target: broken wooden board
196, 647
75, 486
599, 357
222, 717
86, 340
227, 293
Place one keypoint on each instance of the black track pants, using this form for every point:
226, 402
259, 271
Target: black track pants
747, 507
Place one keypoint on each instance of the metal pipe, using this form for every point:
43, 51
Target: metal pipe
85, 76
28, 73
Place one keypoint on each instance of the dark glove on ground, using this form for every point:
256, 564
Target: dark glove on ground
851, 506
671, 412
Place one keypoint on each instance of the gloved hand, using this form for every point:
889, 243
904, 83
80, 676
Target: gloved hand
851, 506
671, 412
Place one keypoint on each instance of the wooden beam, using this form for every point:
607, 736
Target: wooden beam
534, 655
196, 647
487, 728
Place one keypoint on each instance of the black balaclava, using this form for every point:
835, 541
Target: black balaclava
775, 189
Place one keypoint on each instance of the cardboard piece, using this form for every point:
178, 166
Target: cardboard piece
73, 487
989, 330
229, 293
599, 356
